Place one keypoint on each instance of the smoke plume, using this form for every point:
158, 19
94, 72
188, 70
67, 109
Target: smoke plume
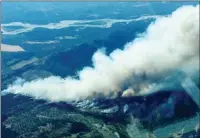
169, 44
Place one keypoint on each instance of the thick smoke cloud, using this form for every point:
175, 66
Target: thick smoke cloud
169, 44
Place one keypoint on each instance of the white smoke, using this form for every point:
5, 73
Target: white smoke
169, 44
